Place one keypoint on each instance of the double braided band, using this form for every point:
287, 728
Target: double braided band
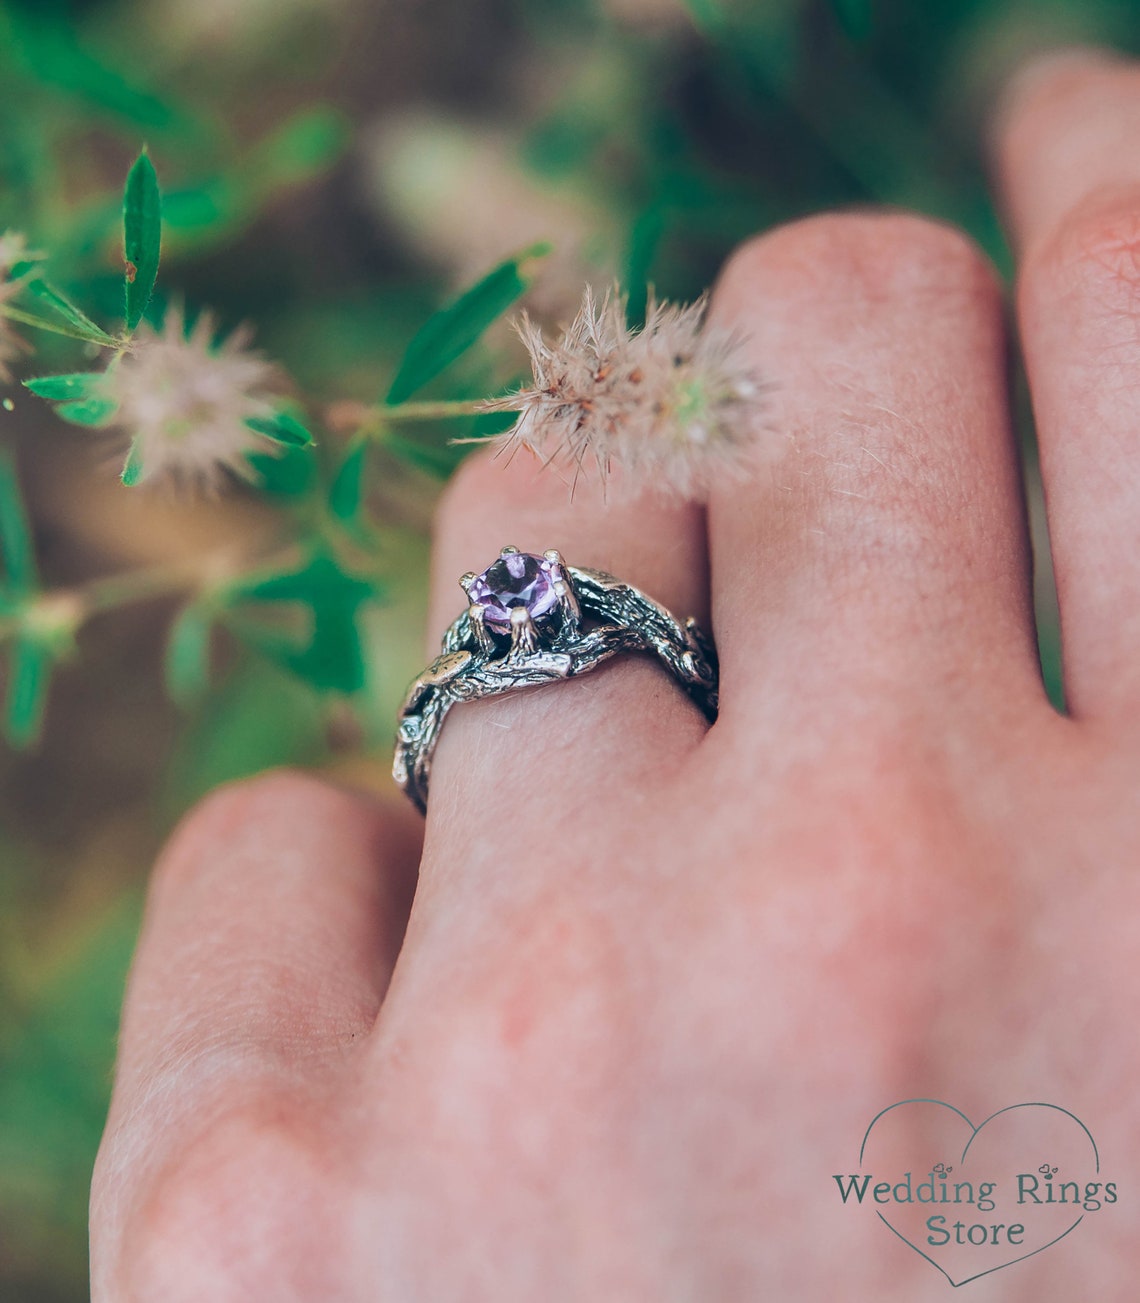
534, 620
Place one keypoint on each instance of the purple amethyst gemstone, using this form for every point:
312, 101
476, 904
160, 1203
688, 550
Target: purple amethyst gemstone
517, 579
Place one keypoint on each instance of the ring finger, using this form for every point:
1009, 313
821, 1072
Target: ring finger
579, 744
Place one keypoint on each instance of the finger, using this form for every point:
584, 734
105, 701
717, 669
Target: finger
1070, 174
273, 922
546, 753
879, 566
274, 919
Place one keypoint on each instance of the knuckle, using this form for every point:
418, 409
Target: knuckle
489, 487
871, 254
271, 804
1092, 256
1050, 92
278, 788
235, 1215
482, 477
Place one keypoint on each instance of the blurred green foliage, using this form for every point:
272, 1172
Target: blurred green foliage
686, 125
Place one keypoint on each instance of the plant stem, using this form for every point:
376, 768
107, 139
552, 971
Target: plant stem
440, 411
374, 420
211, 571
139, 585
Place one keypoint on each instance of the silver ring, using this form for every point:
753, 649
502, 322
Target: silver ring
533, 620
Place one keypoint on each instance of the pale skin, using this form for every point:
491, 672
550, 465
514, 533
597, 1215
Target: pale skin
630, 1032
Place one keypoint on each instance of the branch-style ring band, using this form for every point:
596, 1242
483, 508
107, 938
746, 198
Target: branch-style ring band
533, 620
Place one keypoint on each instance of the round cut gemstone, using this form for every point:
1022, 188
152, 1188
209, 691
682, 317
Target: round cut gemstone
517, 579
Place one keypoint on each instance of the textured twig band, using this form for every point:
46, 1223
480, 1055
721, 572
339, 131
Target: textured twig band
538, 621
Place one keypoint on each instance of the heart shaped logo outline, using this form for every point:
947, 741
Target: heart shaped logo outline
974, 1130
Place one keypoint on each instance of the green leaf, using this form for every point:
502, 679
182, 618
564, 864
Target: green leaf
193, 212
15, 537
284, 473
80, 394
755, 42
855, 17
13, 313
436, 459
307, 143
47, 294
328, 654
644, 241
320, 578
187, 664
707, 16
29, 672
347, 492
90, 411
258, 716
132, 471
283, 428
80, 384
453, 329
46, 43
142, 236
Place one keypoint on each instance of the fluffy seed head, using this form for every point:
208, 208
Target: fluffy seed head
672, 403
184, 397
14, 249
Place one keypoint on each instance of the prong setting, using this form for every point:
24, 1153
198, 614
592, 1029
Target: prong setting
477, 614
524, 632
568, 602
515, 579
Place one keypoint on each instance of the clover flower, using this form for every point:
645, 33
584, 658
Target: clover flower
672, 403
185, 398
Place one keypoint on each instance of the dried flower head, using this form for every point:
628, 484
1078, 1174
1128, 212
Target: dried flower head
13, 250
672, 403
184, 397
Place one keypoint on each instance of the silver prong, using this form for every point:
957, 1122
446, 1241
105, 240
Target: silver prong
476, 613
524, 636
508, 551
564, 587
465, 581
568, 601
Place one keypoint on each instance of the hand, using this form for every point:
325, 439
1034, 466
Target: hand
657, 979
